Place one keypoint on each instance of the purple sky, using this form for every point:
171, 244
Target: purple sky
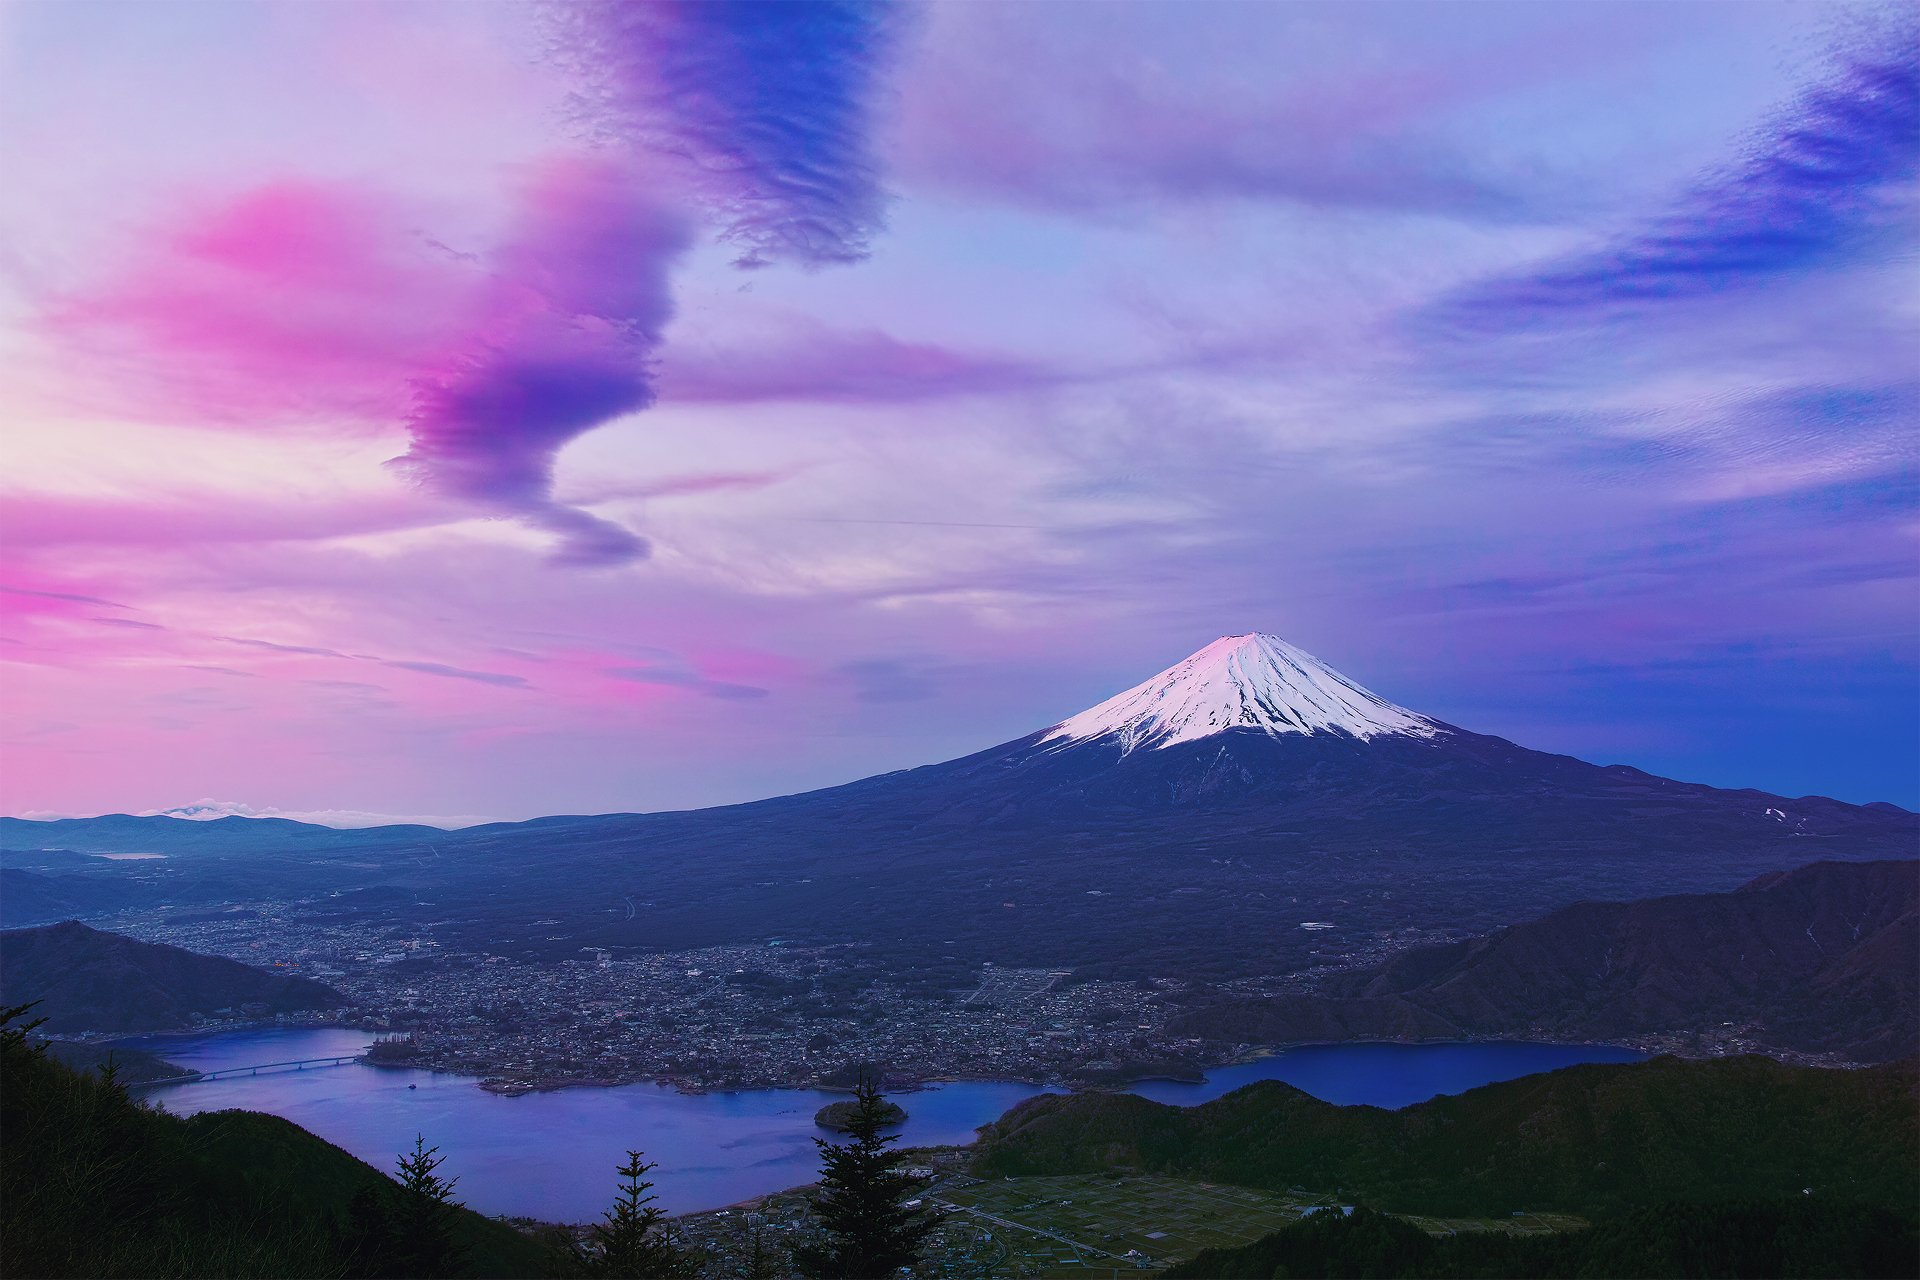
469, 409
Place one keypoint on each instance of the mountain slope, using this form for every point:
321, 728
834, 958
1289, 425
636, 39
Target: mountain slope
1584, 1139
28, 897
1825, 958
86, 980
1186, 832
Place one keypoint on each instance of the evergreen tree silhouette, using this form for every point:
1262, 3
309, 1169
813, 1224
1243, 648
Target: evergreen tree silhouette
420, 1218
868, 1231
631, 1243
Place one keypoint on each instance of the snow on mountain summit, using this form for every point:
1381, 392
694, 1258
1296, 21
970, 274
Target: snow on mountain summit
1252, 681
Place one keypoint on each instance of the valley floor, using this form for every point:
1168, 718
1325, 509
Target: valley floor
1092, 1227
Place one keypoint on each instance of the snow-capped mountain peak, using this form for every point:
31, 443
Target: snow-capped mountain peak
1252, 681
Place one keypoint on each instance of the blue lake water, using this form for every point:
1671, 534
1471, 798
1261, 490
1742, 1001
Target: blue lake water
1387, 1075
552, 1155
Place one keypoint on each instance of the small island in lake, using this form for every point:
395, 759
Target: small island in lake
835, 1115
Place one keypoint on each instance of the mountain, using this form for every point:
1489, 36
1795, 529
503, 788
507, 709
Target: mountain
87, 980
1581, 1140
1188, 827
1256, 682
1825, 958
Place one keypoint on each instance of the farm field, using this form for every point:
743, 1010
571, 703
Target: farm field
1096, 1226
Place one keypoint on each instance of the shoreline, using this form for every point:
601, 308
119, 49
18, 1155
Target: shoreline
503, 1085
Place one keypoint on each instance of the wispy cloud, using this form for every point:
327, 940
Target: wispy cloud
767, 103
1831, 176
689, 680
457, 673
803, 361
67, 596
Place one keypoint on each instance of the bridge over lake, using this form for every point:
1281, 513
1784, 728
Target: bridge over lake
258, 1068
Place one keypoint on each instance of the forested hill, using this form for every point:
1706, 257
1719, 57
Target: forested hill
1582, 1140
1825, 958
1798, 1237
89, 980
93, 1184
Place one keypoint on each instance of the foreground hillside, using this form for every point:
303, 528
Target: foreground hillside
88, 980
130, 1066
1825, 958
1581, 1140
93, 1184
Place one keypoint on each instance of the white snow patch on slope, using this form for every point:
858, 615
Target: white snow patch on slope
1253, 681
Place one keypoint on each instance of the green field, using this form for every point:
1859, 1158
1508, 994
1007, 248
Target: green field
1086, 1226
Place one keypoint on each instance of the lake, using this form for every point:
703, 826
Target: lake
552, 1155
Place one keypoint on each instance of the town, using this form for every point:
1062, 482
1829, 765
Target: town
763, 1015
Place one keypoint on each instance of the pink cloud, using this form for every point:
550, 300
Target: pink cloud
290, 302
300, 303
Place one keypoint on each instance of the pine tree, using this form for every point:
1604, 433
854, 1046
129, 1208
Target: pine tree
420, 1219
869, 1232
632, 1243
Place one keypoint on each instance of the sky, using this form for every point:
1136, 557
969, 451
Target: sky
461, 410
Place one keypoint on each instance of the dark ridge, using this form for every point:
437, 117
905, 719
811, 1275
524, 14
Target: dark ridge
1821, 959
89, 980
1585, 1139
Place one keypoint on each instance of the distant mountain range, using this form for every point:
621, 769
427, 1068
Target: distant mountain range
1189, 826
87, 980
1583, 1139
1822, 959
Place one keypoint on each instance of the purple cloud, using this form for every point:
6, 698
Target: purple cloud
457, 673
67, 596
579, 298
305, 650
1831, 177
766, 102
